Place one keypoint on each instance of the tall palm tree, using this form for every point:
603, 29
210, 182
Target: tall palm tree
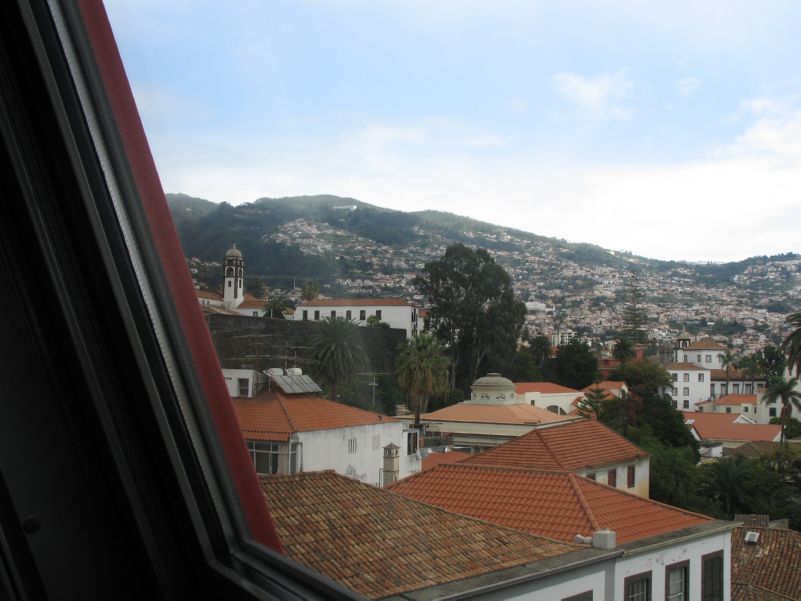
728, 360
336, 351
792, 344
422, 371
785, 391
624, 349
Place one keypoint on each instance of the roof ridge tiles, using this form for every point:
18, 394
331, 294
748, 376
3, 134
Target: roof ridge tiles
548, 448
583, 500
280, 398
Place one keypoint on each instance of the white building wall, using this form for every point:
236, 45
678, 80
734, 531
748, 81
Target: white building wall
685, 394
642, 476
333, 450
658, 560
543, 400
255, 381
708, 359
402, 317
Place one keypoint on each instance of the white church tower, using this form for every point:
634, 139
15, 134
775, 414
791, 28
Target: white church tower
234, 285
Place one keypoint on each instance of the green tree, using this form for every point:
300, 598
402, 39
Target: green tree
336, 351
310, 290
673, 472
524, 367
540, 347
772, 362
749, 366
635, 317
575, 366
256, 287
374, 322
473, 311
785, 392
624, 349
422, 371
792, 344
277, 306
792, 427
591, 403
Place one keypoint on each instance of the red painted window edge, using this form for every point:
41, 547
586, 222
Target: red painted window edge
198, 339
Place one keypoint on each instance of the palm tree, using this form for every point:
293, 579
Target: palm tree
786, 392
276, 307
624, 349
727, 360
792, 344
336, 351
422, 371
749, 366
310, 290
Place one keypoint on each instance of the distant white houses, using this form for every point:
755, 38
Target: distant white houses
395, 312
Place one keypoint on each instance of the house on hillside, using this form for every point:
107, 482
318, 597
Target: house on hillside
731, 403
587, 448
289, 429
396, 312
719, 431
493, 415
662, 548
547, 395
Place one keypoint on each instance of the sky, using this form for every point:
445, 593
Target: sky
671, 130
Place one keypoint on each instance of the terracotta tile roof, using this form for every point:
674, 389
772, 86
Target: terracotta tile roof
208, 294
685, 367
544, 387
704, 345
356, 302
768, 567
759, 449
572, 446
275, 416
558, 505
605, 385
522, 414
722, 426
432, 460
381, 544
736, 399
720, 374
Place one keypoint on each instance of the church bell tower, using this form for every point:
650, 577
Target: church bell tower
234, 278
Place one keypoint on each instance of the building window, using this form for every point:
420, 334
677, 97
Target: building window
316, 316
229, 283
685, 391
674, 377
411, 442
724, 389
376, 442
686, 358
264, 455
674, 392
748, 389
351, 445
362, 314
698, 358
333, 314
674, 402
772, 412
735, 388
677, 582
348, 315
728, 409
591, 476
378, 313
712, 577
580, 597
745, 408
700, 377
685, 404
294, 458
305, 315
637, 588
611, 478
685, 377
708, 359
630, 476
243, 386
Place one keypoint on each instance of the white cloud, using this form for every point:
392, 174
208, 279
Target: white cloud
687, 86
601, 95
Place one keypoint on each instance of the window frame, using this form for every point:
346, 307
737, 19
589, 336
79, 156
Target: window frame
635, 578
184, 422
714, 556
685, 567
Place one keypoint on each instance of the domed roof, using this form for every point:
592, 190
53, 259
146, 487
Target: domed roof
493, 380
233, 252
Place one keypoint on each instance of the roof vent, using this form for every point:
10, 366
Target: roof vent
275, 371
751, 536
582, 540
603, 539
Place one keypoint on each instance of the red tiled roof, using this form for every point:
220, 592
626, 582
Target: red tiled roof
720, 374
381, 544
721, 426
704, 345
605, 385
684, 367
768, 568
558, 505
208, 294
544, 387
572, 446
432, 460
356, 302
275, 416
521, 414
736, 399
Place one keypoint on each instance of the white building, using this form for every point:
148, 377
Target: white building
562, 337
547, 395
289, 430
395, 312
690, 384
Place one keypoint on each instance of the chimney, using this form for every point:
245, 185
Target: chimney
391, 463
603, 539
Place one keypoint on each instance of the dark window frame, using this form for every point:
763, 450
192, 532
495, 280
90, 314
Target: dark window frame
681, 565
709, 592
646, 576
585, 596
